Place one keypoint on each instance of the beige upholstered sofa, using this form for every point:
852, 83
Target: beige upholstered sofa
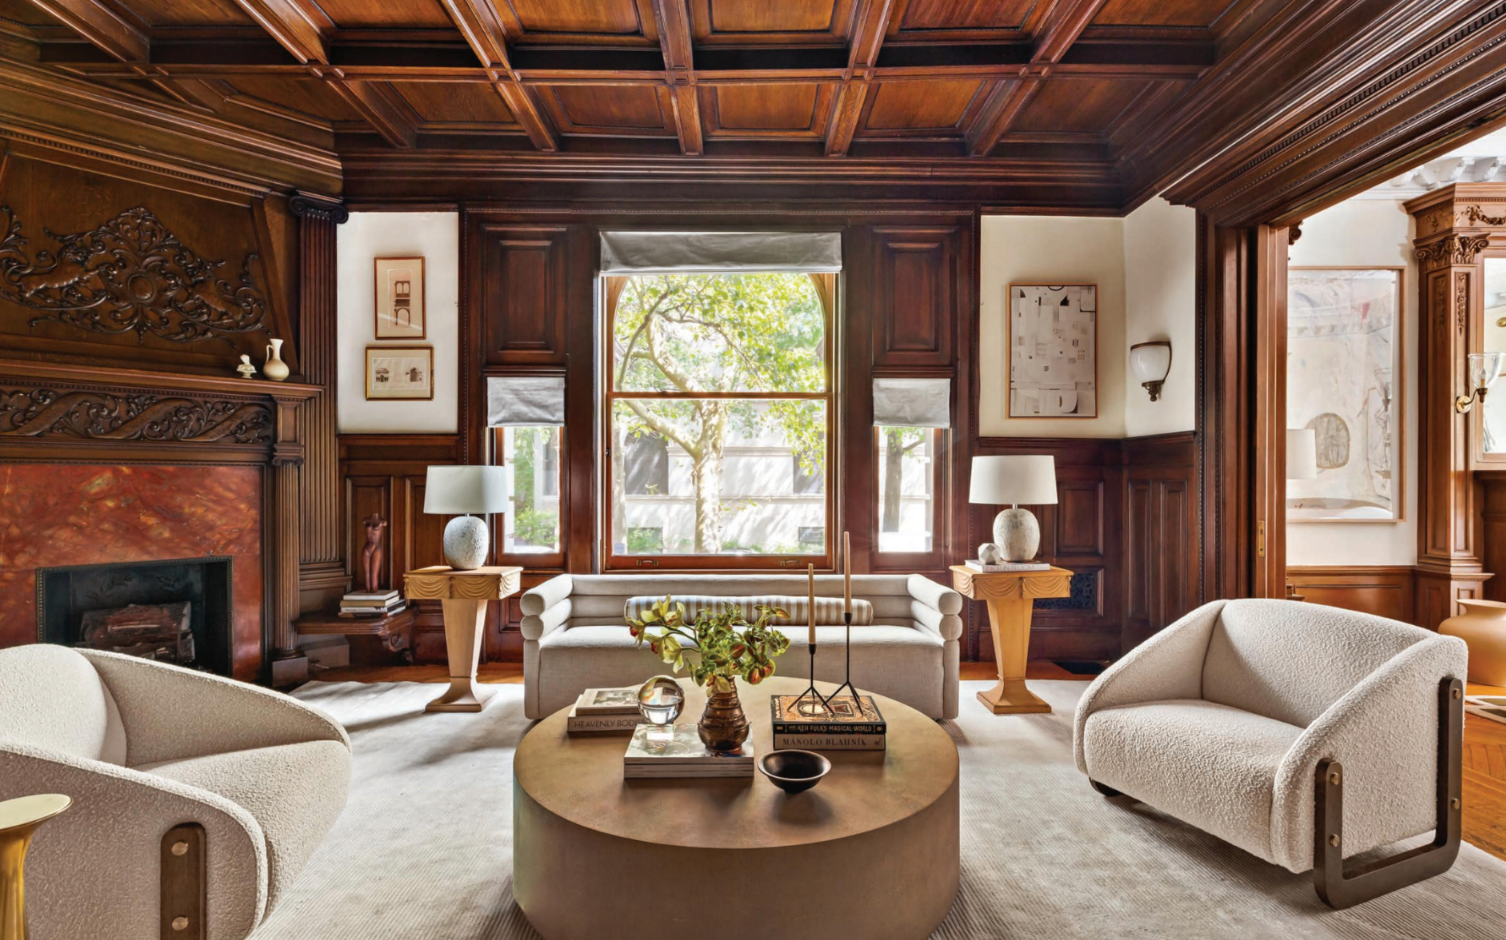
143, 747
575, 635
1224, 719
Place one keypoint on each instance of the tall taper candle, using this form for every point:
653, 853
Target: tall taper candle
810, 573
846, 573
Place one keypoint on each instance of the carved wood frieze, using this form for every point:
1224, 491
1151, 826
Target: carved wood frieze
1453, 249
136, 416
130, 274
1477, 216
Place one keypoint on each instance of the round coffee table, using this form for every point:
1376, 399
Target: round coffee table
872, 852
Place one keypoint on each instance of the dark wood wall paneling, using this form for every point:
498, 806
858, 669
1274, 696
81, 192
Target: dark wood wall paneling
1161, 533
1383, 590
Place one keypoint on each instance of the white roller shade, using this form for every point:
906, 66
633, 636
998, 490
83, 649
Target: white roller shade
912, 403
525, 401
720, 252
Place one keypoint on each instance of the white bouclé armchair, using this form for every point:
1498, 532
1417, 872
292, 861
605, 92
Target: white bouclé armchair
1300, 733
145, 749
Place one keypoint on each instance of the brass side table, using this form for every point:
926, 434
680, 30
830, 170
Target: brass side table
19, 820
1011, 599
464, 595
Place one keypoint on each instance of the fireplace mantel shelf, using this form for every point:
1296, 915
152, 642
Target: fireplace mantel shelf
103, 377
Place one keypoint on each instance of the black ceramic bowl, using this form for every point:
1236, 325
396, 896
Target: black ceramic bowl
794, 771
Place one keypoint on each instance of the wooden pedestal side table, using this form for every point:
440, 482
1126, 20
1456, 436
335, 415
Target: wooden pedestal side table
1011, 599
464, 595
19, 820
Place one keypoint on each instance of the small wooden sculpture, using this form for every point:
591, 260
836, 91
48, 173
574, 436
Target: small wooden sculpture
371, 555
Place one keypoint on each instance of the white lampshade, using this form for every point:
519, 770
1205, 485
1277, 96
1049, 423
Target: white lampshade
1150, 361
1028, 480
1301, 454
453, 490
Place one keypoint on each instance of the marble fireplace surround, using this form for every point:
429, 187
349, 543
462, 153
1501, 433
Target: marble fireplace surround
112, 466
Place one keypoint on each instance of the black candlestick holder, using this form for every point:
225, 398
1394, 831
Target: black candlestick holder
816, 705
846, 669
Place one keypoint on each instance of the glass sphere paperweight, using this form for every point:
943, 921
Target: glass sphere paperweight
660, 701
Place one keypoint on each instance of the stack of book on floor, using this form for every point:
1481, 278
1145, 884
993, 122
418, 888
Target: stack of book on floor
371, 603
843, 724
604, 711
973, 564
677, 751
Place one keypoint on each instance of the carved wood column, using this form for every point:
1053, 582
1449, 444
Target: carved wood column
1449, 271
289, 665
322, 574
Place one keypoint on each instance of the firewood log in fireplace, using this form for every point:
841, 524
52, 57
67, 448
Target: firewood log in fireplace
152, 631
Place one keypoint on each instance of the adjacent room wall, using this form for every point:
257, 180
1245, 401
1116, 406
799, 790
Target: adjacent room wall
1160, 293
1366, 233
368, 235
1050, 250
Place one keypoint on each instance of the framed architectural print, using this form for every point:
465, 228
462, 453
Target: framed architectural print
400, 311
395, 373
1343, 375
1053, 351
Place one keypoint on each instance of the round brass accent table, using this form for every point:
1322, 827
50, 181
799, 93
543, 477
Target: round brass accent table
19, 820
872, 852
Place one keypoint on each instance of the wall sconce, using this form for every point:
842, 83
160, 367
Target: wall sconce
1151, 362
1484, 369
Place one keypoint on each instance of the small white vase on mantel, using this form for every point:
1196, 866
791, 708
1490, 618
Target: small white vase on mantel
274, 368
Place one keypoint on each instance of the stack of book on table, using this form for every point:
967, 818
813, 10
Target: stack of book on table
843, 724
371, 603
604, 711
973, 564
677, 751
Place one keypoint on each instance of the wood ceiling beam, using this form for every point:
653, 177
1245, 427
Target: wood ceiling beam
673, 20
870, 25
389, 118
1007, 100
287, 23
485, 33
102, 26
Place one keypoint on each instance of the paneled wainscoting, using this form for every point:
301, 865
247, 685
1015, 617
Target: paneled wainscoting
1386, 591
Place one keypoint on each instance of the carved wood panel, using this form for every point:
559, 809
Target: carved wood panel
143, 416
523, 295
917, 273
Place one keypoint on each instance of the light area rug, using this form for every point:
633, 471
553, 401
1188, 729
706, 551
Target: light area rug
424, 846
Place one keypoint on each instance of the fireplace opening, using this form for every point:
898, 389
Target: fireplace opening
176, 610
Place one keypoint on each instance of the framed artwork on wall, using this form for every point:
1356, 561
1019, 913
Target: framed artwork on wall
1343, 379
397, 373
400, 310
1053, 351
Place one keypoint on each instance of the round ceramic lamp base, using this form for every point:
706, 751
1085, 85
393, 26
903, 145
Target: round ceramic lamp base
465, 541
1017, 534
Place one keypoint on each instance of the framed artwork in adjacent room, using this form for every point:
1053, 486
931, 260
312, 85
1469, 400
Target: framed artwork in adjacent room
1344, 383
396, 373
400, 311
1053, 351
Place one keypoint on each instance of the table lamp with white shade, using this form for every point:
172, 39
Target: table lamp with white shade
1026, 478
462, 491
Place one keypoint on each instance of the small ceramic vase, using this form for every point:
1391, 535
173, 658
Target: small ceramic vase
274, 368
1482, 627
246, 369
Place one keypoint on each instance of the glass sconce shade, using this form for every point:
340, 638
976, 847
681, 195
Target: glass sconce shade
1483, 369
1150, 362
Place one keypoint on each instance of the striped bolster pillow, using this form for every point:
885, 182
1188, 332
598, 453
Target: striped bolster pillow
828, 609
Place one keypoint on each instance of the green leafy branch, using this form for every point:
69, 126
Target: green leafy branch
723, 646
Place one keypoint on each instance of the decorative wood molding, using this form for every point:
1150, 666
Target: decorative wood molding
131, 274
305, 206
1451, 250
1477, 216
102, 416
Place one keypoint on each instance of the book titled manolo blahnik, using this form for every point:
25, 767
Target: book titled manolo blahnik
845, 725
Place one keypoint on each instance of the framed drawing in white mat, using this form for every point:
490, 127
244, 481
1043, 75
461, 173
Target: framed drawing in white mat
1053, 351
1343, 378
396, 373
400, 311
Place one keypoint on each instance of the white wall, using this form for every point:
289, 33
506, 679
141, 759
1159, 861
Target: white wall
1050, 250
436, 237
1366, 233
1160, 293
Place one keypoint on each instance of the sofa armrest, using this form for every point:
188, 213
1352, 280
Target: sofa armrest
1169, 665
537, 626
170, 713
539, 599
1384, 732
936, 596
947, 626
93, 871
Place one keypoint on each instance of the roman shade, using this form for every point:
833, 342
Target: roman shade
624, 253
525, 401
912, 403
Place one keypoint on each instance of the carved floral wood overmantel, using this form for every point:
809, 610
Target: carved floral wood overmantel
63, 413
1457, 227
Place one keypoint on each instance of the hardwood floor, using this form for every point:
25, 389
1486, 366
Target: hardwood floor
1484, 741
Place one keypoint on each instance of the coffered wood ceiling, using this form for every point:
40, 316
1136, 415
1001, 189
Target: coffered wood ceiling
1089, 104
